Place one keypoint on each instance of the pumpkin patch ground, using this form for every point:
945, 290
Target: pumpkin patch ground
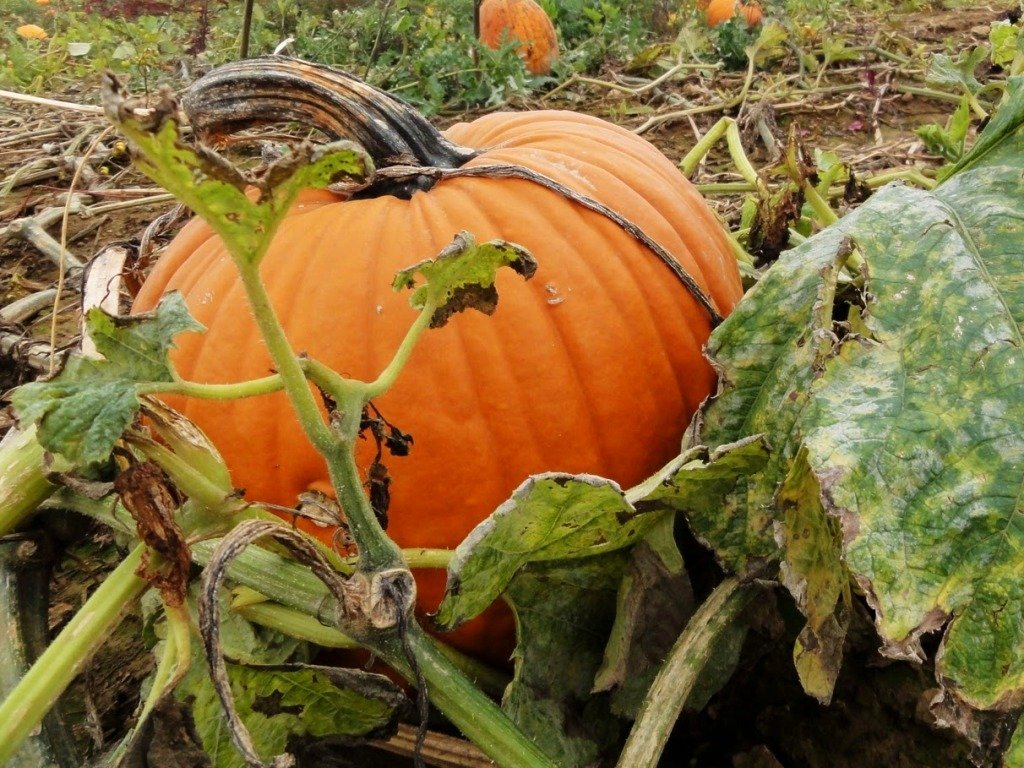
815, 566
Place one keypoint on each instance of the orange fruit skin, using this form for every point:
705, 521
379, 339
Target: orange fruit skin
719, 11
752, 13
31, 32
525, 22
594, 366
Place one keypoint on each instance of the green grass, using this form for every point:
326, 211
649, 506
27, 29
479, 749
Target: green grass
421, 49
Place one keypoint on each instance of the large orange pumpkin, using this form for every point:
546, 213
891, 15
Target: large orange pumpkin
525, 22
593, 366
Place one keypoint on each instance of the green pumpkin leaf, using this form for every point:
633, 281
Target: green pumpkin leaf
560, 517
549, 517
84, 409
1005, 40
944, 70
838, 48
948, 142
564, 615
912, 423
139, 344
278, 704
462, 276
701, 486
81, 413
998, 137
830, 170
770, 43
915, 435
767, 351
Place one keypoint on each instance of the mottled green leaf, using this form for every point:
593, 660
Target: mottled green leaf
910, 410
564, 615
462, 276
560, 517
813, 571
915, 434
81, 413
767, 352
140, 343
317, 167
701, 489
205, 183
549, 517
84, 409
282, 703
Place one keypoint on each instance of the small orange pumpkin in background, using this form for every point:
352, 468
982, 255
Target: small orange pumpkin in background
720, 11
31, 32
752, 13
525, 22
594, 366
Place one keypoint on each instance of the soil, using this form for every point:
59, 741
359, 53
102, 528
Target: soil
859, 109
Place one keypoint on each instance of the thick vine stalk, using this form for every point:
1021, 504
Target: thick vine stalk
23, 483
64, 658
677, 678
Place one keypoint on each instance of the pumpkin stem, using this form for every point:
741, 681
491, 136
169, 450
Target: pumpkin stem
279, 89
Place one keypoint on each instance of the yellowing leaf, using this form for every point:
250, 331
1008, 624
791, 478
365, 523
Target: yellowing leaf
911, 424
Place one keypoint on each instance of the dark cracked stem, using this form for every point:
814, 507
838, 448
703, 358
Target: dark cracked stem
278, 89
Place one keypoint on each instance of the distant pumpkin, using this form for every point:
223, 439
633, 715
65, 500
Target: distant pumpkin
752, 13
525, 22
719, 11
31, 32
